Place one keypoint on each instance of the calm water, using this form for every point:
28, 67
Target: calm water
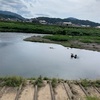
28, 59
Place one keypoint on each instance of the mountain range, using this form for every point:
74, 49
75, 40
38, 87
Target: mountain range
70, 19
11, 15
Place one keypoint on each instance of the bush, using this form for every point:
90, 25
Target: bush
85, 83
96, 83
39, 82
14, 81
54, 82
46, 78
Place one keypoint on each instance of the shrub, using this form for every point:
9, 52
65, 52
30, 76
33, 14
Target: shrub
96, 83
85, 83
54, 82
46, 78
39, 82
14, 81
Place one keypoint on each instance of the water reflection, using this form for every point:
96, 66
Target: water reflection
28, 59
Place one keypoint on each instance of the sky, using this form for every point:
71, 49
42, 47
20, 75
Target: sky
81, 9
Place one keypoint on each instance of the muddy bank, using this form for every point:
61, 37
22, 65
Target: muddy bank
72, 43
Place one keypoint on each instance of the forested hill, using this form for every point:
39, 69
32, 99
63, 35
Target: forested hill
70, 19
11, 15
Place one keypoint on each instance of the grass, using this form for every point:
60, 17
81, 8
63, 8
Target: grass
96, 83
58, 37
32, 78
46, 78
84, 39
92, 98
54, 82
39, 82
66, 36
14, 81
82, 42
47, 29
86, 83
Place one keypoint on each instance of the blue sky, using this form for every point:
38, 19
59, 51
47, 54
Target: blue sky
82, 9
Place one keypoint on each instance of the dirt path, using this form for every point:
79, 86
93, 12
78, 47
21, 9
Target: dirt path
61, 93
78, 93
44, 93
27, 93
9, 94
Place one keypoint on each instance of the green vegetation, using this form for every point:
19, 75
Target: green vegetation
70, 19
67, 36
46, 78
28, 28
85, 83
54, 82
14, 81
96, 83
39, 82
58, 37
32, 78
92, 98
84, 39
47, 29
82, 42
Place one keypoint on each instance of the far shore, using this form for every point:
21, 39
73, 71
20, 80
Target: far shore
71, 44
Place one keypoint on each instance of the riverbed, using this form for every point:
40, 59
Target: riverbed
28, 59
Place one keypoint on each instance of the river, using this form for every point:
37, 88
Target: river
30, 59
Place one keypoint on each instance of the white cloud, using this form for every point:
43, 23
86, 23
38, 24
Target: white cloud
83, 9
